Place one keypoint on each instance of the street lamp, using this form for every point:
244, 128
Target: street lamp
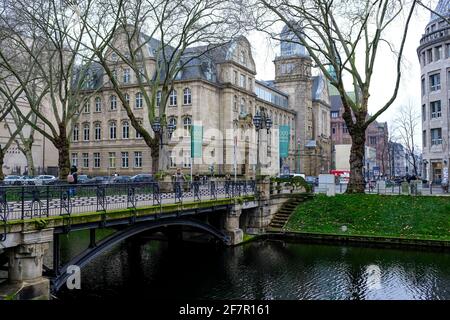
261, 120
425, 163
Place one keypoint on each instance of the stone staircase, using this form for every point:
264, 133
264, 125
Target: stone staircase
282, 216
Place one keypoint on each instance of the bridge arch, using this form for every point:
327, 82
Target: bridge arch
91, 253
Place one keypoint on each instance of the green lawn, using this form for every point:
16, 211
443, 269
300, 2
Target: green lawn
375, 215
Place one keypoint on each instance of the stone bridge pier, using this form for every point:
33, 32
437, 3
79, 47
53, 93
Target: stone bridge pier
26, 252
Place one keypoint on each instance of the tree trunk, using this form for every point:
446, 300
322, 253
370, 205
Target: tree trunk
356, 183
2, 158
154, 152
30, 162
63, 146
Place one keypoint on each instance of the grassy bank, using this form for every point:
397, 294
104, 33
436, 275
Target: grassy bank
407, 217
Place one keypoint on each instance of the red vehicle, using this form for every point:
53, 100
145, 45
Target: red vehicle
342, 175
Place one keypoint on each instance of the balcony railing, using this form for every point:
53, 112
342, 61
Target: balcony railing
441, 33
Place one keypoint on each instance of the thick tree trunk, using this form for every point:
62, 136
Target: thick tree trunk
154, 152
30, 162
356, 183
2, 158
63, 145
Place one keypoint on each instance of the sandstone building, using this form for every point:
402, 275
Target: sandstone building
220, 92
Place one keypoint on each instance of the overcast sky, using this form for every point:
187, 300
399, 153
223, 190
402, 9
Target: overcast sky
385, 74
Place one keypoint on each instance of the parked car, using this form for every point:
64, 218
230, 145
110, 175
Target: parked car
142, 178
99, 180
120, 179
312, 180
83, 178
28, 180
13, 180
45, 180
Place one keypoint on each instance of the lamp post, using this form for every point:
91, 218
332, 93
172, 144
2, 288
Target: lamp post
261, 120
158, 128
425, 163
298, 155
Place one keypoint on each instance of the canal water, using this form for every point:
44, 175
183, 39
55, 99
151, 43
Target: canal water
261, 270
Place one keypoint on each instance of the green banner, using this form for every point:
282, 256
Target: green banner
196, 141
284, 136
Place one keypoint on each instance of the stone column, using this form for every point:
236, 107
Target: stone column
232, 225
25, 267
259, 218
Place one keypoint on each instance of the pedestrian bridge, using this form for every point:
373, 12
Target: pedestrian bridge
32, 219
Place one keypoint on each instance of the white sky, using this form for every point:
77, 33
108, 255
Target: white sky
385, 74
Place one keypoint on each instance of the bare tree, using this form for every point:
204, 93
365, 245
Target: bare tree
156, 39
343, 38
41, 51
407, 122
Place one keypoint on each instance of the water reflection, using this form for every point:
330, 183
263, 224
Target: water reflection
264, 270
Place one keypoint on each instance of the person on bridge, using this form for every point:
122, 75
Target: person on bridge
178, 179
72, 178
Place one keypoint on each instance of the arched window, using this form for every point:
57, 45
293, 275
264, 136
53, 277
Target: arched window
113, 103
112, 130
75, 133
98, 131
187, 96
138, 100
125, 130
235, 103
173, 98
243, 110
86, 132
98, 104
187, 123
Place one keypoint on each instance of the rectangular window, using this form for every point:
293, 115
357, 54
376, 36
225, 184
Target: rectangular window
173, 160
438, 53
424, 112
235, 77
435, 82
435, 109
75, 159
436, 136
423, 86
96, 159
334, 130
126, 76
138, 159
243, 81
87, 107
85, 160
424, 138
112, 159
124, 159
186, 159
335, 114
344, 128
448, 50
430, 55
373, 140
424, 60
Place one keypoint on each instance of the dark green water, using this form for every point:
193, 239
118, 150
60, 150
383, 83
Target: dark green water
262, 270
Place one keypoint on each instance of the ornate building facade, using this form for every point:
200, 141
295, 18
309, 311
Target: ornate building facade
434, 57
219, 92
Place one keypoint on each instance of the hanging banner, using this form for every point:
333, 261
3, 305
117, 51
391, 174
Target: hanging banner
284, 137
196, 141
